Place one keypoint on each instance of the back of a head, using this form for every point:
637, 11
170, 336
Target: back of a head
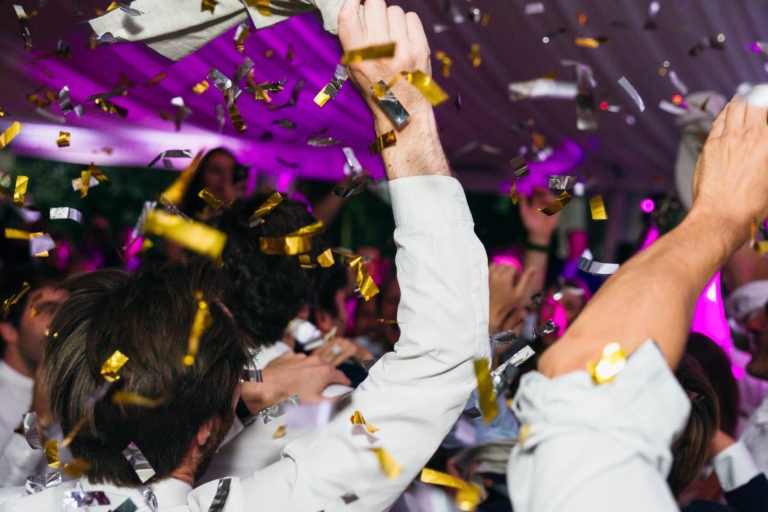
146, 316
266, 291
691, 449
716, 366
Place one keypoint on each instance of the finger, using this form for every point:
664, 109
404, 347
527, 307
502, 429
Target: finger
398, 31
418, 38
755, 117
338, 377
376, 24
351, 29
345, 354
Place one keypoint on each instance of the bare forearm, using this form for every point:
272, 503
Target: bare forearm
652, 296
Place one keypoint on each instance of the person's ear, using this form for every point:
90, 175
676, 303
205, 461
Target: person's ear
9, 333
204, 432
323, 320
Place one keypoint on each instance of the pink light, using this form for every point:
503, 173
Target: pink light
507, 261
647, 205
709, 317
653, 235
738, 372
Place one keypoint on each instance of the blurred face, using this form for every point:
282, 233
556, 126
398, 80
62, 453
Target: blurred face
218, 176
758, 344
38, 312
573, 304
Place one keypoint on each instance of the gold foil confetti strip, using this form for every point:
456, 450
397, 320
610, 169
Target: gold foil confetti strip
280, 432
590, 42
388, 321
156, 79
358, 419
298, 242
241, 35
525, 431
201, 87
9, 134
14, 299
96, 173
262, 6
325, 259
383, 141
236, 117
194, 236
513, 195
330, 91
26, 33
85, 180
175, 191
390, 467
211, 200
485, 392
3, 113
427, 87
72, 433
611, 363
474, 56
52, 454
597, 208
111, 367
20, 190
110, 108
446, 61
18, 234
77, 468
382, 51
200, 324
267, 206
557, 205
126, 397
306, 262
468, 496
63, 140
366, 286
208, 5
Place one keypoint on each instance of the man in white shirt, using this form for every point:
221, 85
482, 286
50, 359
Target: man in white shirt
412, 395
25, 313
601, 447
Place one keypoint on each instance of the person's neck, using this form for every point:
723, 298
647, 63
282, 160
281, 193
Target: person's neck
13, 358
185, 473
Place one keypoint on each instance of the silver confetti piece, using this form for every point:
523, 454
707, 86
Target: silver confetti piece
38, 483
547, 327
629, 88
149, 498
542, 88
275, 411
41, 244
392, 107
31, 432
322, 142
138, 462
501, 377
77, 183
534, 8
171, 153
590, 266
77, 499
222, 494
65, 102
220, 80
66, 213
352, 167
334, 86
560, 182
504, 337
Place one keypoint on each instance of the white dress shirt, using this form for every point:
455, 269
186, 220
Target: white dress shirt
413, 395
598, 447
755, 436
16, 457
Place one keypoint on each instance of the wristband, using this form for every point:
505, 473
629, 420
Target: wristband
536, 247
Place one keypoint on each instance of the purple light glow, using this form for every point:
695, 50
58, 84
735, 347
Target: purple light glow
653, 235
507, 261
709, 317
647, 205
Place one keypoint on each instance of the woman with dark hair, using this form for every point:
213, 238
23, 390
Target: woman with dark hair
220, 174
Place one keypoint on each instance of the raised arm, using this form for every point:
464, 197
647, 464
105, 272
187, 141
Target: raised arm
654, 294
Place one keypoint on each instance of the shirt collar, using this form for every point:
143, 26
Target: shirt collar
169, 492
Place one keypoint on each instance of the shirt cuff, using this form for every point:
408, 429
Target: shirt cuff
735, 466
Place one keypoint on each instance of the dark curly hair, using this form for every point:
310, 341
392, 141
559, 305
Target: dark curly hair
265, 291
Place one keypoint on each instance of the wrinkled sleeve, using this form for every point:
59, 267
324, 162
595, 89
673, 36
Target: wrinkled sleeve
598, 447
17, 461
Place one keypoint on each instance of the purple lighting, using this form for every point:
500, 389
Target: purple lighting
647, 205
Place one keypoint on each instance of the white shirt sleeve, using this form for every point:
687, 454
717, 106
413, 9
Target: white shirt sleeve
18, 461
735, 466
601, 447
414, 394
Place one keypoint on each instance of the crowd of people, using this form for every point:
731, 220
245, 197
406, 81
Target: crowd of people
276, 378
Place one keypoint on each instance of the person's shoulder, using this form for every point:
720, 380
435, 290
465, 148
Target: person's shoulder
13, 499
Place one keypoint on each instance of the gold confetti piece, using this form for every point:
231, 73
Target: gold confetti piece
357, 419
52, 454
366, 286
298, 242
78, 426
236, 117
597, 207
331, 90
20, 190
241, 35
63, 140
77, 468
525, 431
611, 363
590, 42
427, 87
3, 113
15, 298
474, 55
201, 87
18, 234
485, 391
211, 200
280, 432
382, 51
126, 397
557, 205
85, 180
446, 61
386, 321
468, 496
539, 141
194, 236
111, 108
390, 467
156, 79
306, 262
513, 194
325, 258
208, 5
111, 367
200, 324
582, 17
9, 134
175, 191
383, 141
267, 206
